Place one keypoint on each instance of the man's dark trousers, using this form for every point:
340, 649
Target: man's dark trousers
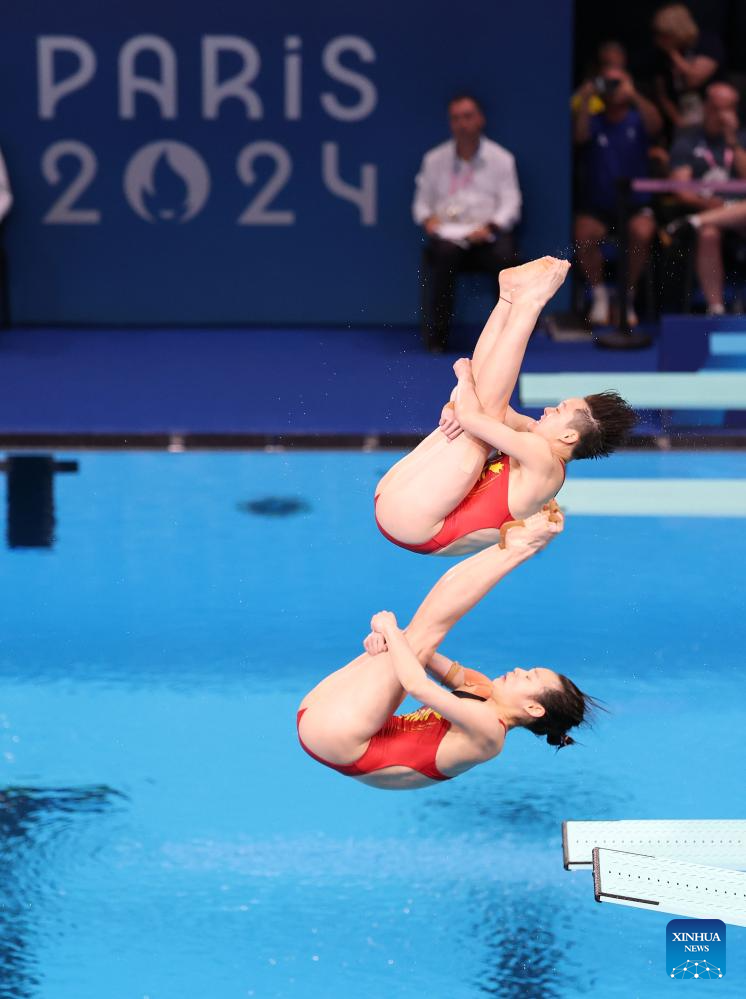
442, 261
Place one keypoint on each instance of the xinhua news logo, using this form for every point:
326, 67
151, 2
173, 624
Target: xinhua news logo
695, 948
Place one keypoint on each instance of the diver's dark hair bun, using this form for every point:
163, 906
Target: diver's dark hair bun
564, 708
560, 739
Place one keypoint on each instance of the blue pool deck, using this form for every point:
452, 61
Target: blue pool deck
163, 834
129, 385
254, 381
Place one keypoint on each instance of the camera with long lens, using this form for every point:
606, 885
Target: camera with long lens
605, 86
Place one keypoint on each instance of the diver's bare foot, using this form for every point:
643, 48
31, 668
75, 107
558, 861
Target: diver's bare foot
535, 283
462, 369
513, 279
545, 284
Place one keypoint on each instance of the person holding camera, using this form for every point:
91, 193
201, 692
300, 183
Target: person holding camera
609, 55
613, 144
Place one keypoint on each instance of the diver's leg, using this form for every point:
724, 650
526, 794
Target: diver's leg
346, 709
529, 288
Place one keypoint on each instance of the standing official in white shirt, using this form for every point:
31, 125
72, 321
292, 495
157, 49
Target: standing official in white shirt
468, 201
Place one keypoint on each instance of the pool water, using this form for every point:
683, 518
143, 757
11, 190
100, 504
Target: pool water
162, 834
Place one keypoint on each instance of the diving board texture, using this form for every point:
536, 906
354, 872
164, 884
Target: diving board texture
600, 497
673, 886
643, 390
716, 842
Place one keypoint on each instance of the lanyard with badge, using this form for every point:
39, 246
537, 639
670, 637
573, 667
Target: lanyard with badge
715, 172
462, 177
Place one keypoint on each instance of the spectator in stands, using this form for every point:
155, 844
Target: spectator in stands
609, 55
468, 202
6, 197
6, 201
713, 152
613, 145
688, 61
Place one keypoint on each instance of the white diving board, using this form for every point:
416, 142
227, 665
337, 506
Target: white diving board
727, 344
672, 886
717, 842
643, 390
654, 497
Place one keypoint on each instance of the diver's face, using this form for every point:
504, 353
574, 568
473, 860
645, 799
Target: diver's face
556, 421
521, 687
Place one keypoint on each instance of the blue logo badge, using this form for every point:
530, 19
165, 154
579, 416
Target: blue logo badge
695, 948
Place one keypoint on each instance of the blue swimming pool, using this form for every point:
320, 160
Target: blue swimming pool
161, 833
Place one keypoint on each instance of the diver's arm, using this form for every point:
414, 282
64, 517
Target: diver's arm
411, 675
440, 667
463, 586
531, 451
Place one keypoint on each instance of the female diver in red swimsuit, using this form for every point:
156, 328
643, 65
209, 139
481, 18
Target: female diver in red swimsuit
453, 494
348, 721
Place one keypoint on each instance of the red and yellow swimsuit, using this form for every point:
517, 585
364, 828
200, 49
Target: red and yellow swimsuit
485, 506
404, 741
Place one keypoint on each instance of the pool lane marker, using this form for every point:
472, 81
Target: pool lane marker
643, 390
673, 886
718, 842
654, 497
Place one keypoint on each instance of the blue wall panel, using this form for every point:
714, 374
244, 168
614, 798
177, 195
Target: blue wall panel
139, 244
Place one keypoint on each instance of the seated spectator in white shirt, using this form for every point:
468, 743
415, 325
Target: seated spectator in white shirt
6, 198
468, 201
